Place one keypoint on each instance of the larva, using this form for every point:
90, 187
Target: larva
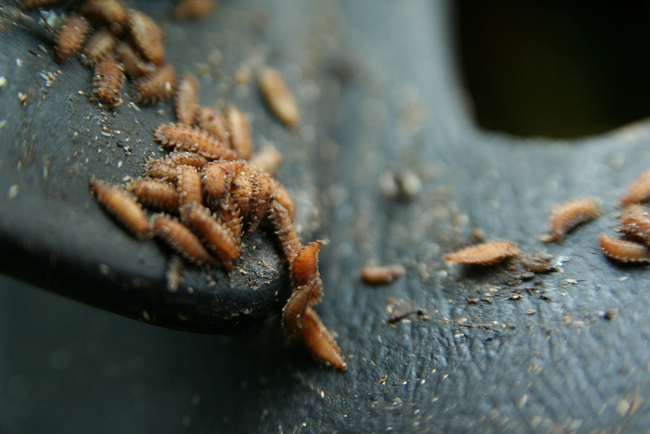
281, 194
178, 158
212, 121
110, 12
217, 177
624, 250
284, 230
216, 234
181, 239
230, 215
124, 207
71, 36
157, 86
635, 221
108, 81
187, 99
188, 184
161, 169
156, 193
252, 192
193, 9
193, 140
307, 287
381, 274
278, 96
639, 191
239, 130
570, 214
147, 35
486, 253
100, 44
268, 159
134, 65
320, 341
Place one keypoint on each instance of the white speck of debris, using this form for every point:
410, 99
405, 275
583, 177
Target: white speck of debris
105, 134
146, 316
135, 107
3, 81
13, 191
119, 164
19, 63
22, 97
523, 400
623, 406
104, 269
168, 86
3, 123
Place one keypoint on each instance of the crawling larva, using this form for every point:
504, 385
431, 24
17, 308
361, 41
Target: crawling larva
635, 221
278, 96
486, 253
624, 250
98, 46
281, 195
134, 65
186, 99
182, 240
109, 12
179, 158
188, 184
156, 193
108, 81
217, 178
381, 274
147, 35
193, 9
193, 140
71, 36
239, 130
320, 341
124, 207
570, 214
252, 192
267, 159
157, 86
212, 121
639, 191
284, 230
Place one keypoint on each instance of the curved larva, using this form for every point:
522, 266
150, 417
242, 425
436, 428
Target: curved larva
123, 206
624, 250
381, 274
635, 221
188, 184
181, 239
230, 215
281, 194
134, 65
156, 193
570, 214
180, 158
239, 130
320, 341
147, 35
217, 237
284, 230
307, 287
161, 169
217, 177
268, 159
212, 121
187, 99
278, 96
252, 192
71, 36
157, 86
485, 253
98, 46
111, 12
193, 9
639, 191
193, 140
108, 82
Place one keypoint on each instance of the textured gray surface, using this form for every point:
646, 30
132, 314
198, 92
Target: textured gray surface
389, 97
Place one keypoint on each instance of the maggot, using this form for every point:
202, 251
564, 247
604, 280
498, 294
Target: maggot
639, 191
486, 253
239, 131
71, 36
147, 35
278, 96
570, 214
108, 81
157, 86
381, 274
193, 140
123, 207
181, 239
624, 250
186, 99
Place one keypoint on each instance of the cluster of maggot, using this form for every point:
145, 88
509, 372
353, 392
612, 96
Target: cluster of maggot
206, 195
117, 42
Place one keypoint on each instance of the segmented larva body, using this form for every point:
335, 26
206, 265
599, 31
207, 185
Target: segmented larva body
98, 46
71, 36
239, 130
212, 121
187, 99
108, 81
188, 184
624, 250
635, 221
110, 12
217, 177
570, 214
307, 287
161, 169
157, 86
281, 195
639, 191
134, 65
182, 240
193, 140
123, 207
278, 96
251, 190
147, 35
320, 341
179, 158
215, 233
268, 159
381, 274
156, 193
230, 215
193, 9
285, 231
486, 253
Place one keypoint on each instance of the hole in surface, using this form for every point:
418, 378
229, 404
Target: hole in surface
555, 68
